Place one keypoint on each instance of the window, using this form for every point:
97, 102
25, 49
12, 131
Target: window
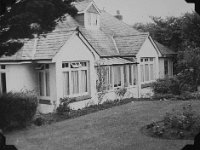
3, 79
126, 76
75, 78
92, 19
147, 70
117, 76
43, 75
166, 66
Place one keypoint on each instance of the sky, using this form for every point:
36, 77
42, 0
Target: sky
135, 11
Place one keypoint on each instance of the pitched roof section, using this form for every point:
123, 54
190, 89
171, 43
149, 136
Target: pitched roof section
82, 5
48, 45
101, 42
113, 61
112, 26
130, 45
164, 50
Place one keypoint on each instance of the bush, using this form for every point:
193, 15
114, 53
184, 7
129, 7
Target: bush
167, 86
17, 109
63, 108
121, 92
39, 121
177, 124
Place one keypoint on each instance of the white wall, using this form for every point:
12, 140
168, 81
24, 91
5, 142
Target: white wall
75, 50
147, 50
21, 77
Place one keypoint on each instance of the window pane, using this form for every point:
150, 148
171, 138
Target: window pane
142, 73
166, 67
75, 82
83, 81
146, 72
117, 76
130, 75
125, 76
47, 83
151, 72
134, 74
66, 83
41, 83
3, 82
89, 19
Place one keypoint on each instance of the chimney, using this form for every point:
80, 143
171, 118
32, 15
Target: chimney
118, 15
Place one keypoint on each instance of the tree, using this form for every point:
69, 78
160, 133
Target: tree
28, 17
174, 32
188, 65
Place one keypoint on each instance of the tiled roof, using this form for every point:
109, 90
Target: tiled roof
101, 42
164, 50
113, 26
48, 45
113, 61
82, 5
130, 45
114, 38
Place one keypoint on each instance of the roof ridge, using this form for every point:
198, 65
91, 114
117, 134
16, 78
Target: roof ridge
144, 33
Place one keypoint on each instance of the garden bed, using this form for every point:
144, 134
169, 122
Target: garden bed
183, 124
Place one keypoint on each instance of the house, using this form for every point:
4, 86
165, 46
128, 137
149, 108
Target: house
65, 62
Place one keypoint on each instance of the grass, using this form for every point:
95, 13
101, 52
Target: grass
116, 128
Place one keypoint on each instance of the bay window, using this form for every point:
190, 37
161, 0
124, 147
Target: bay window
75, 78
147, 69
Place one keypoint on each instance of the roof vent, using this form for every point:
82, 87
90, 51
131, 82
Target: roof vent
119, 16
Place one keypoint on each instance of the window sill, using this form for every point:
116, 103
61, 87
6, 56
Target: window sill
80, 98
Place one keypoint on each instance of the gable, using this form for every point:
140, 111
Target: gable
74, 49
148, 49
92, 9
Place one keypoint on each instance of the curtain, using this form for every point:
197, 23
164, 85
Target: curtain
117, 76
151, 72
142, 73
41, 83
66, 83
146, 72
47, 83
83, 81
75, 82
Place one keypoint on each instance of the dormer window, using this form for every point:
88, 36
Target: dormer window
92, 19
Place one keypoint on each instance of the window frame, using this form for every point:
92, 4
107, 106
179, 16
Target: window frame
79, 69
44, 70
146, 63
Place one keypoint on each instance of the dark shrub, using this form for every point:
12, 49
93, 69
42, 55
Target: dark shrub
167, 86
17, 109
63, 108
39, 121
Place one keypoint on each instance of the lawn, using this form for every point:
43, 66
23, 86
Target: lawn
117, 128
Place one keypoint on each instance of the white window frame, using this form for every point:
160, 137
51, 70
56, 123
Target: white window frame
79, 68
143, 62
92, 20
42, 68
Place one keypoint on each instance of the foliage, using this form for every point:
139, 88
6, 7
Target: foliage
28, 17
177, 124
39, 121
188, 63
64, 108
121, 92
101, 85
167, 86
17, 109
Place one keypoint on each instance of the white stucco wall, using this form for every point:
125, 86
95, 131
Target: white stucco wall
147, 50
20, 77
75, 50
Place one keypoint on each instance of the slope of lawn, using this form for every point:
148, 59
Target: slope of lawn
117, 128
